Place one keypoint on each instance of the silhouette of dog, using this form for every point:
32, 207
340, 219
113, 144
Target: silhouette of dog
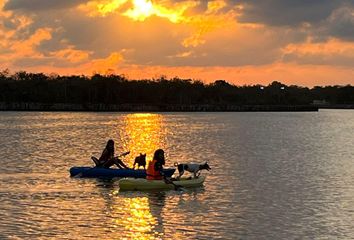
140, 160
192, 168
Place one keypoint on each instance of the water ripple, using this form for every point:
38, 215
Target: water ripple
274, 176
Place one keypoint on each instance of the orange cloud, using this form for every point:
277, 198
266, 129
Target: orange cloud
332, 52
26, 47
104, 65
304, 75
3, 13
17, 49
72, 55
87, 67
19, 23
96, 8
331, 47
290, 74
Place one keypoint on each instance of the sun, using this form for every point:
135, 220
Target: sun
141, 10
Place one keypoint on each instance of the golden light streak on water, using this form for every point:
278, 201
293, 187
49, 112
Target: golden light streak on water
143, 133
139, 221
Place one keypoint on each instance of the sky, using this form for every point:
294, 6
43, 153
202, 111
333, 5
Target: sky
298, 42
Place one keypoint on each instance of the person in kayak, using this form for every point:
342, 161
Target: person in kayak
107, 158
154, 169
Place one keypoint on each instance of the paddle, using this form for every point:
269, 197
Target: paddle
88, 170
169, 181
124, 154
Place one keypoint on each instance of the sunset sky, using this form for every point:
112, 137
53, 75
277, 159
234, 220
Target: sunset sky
303, 42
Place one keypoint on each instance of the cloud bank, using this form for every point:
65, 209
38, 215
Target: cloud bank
86, 36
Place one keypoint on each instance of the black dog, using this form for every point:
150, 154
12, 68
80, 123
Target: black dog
192, 168
140, 160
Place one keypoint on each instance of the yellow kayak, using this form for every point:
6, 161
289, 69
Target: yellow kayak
140, 184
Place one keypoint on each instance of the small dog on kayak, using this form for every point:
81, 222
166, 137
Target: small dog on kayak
140, 160
192, 168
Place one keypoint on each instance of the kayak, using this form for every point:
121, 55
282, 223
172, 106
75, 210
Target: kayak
95, 172
131, 184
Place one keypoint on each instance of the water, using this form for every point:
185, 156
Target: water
274, 176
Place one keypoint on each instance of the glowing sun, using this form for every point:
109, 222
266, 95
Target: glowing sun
142, 9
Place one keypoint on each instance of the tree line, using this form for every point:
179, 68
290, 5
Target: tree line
117, 89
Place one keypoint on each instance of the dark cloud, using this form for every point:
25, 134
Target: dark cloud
33, 5
345, 60
341, 24
288, 12
323, 18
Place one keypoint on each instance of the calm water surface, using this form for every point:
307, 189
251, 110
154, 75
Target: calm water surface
274, 176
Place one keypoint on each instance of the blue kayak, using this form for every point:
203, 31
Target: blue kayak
95, 172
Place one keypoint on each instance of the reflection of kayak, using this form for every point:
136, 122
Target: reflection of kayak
132, 184
95, 172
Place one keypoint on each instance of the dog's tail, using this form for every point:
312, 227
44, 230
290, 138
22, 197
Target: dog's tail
176, 164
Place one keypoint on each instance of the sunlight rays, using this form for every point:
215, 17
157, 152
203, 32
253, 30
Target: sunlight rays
198, 22
139, 10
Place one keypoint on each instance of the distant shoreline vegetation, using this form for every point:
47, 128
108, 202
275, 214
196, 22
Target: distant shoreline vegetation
38, 91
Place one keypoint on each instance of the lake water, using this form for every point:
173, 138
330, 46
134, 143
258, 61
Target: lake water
274, 176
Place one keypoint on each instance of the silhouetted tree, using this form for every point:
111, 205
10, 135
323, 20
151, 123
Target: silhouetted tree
116, 89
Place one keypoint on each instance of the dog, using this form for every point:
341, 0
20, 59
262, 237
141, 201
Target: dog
140, 160
192, 168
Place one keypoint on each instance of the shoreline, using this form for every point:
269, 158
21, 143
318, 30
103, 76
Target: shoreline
53, 107
336, 106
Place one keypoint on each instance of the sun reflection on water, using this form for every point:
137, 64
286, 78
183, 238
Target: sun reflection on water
137, 215
140, 222
142, 133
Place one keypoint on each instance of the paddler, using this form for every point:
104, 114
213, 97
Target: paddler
154, 169
108, 159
